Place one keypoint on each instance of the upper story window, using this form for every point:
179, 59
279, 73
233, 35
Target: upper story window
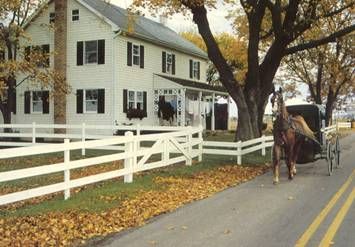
195, 69
168, 63
40, 54
51, 17
91, 52
135, 100
75, 15
135, 55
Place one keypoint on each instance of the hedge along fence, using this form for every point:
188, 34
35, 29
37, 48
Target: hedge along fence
135, 159
238, 149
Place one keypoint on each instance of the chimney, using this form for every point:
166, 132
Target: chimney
60, 60
163, 20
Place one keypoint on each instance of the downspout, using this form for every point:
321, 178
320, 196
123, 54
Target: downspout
114, 78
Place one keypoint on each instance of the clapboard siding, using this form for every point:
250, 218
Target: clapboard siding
113, 76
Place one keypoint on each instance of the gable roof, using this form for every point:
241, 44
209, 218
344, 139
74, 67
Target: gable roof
144, 28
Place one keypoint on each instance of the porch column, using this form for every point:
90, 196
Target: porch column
228, 112
213, 118
199, 108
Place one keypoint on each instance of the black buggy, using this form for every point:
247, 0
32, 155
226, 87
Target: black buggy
326, 146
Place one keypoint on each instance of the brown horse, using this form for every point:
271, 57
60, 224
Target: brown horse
289, 134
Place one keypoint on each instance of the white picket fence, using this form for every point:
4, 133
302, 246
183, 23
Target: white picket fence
238, 149
31, 132
135, 159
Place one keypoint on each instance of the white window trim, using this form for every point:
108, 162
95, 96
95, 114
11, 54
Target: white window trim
32, 101
139, 54
84, 101
135, 102
195, 69
167, 63
97, 53
74, 15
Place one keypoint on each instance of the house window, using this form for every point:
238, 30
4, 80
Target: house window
169, 62
135, 100
91, 101
37, 103
195, 69
75, 15
91, 52
51, 17
136, 55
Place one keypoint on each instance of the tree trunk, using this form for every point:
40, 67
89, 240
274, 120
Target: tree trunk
329, 106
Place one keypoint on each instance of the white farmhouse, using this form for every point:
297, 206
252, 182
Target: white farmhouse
118, 69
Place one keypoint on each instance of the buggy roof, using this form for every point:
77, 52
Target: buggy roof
308, 109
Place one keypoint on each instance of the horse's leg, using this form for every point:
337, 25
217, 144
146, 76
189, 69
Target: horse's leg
276, 154
297, 149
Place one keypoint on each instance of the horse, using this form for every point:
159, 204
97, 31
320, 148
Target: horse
289, 134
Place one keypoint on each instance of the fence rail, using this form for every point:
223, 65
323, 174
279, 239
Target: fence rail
238, 149
135, 159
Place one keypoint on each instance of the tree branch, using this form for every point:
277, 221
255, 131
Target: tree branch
315, 43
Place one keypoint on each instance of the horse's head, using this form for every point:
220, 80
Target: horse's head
277, 102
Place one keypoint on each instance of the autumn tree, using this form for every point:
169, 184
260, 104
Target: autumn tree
18, 61
233, 48
273, 25
327, 70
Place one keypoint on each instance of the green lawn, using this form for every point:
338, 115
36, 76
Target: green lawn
108, 194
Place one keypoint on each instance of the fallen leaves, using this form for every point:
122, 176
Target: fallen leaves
66, 228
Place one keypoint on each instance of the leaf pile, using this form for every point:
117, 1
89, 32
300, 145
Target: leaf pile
74, 227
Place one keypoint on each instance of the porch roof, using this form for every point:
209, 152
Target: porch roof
195, 85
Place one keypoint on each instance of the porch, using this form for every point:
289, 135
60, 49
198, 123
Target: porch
193, 102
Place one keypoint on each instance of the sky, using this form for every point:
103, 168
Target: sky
180, 23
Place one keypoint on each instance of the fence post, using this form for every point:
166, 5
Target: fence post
67, 171
337, 126
34, 132
138, 135
189, 147
166, 150
200, 139
83, 139
128, 162
239, 153
263, 149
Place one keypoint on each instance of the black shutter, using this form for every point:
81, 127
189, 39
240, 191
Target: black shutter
129, 53
45, 102
80, 53
198, 69
145, 104
163, 62
2, 56
79, 101
101, 51
27, 102
27, 53
45, 52
14, 101
142, 56
173, 69
191, 66
101, 101
125, 100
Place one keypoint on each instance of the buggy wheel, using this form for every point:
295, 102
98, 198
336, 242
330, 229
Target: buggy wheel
330, 157
337, 152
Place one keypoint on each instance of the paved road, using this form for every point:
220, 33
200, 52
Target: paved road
258, 213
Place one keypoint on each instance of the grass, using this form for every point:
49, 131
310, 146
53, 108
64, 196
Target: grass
108, 194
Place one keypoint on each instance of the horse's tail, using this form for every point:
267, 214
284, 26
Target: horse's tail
304, 126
